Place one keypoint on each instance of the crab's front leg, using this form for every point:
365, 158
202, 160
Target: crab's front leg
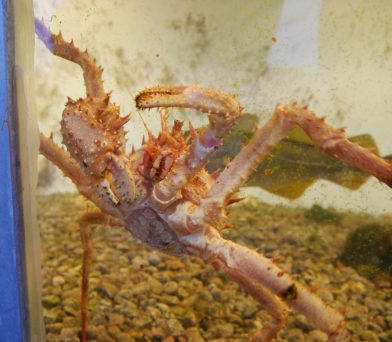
91, 71
223, 110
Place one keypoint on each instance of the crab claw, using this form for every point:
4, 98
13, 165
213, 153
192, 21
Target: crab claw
223, 108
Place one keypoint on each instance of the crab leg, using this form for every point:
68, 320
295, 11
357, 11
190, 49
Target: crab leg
328, 139
270, 302
223, 110
71, 169
91, 72
65, 163
250, 269
94, 217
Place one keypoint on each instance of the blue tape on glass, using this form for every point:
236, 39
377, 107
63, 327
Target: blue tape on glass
13, 324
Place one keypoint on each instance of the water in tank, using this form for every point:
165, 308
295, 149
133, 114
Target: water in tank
215, 170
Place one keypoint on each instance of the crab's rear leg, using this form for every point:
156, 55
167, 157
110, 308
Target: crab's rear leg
92, 73
223, 110
251, 269
89, 218
270, 302
328, 139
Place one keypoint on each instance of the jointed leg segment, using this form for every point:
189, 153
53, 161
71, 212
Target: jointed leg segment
270, 302
93, 217
328, 139
264, 280
62, 159
91, 72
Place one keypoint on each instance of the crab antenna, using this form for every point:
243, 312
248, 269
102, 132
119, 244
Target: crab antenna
163, 115
150, 134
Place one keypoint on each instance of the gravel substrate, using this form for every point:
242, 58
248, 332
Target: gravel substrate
142, 295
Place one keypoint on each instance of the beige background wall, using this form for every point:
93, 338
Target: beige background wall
334, 55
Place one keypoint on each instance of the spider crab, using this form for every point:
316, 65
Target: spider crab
163, 195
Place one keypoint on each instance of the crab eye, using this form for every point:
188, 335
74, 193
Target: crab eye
162, 166
166, 165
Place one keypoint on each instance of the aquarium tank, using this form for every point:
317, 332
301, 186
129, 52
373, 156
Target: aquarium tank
252, 200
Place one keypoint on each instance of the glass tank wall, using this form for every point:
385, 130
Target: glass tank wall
323, 222
20, 301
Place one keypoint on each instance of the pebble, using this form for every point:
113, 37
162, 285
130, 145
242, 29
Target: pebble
141, 321
188, 319
174, 264
69, 334
115, 319
250, 311
317, 336
50, 301
171, 300
386, 336
54, 328
108, 289
295, 335
58, 280
290, 239
193, 335
354, 327
170, 287
70, 311
225, 330
172, 327
302, 323
370, 336
69, 321
388, 320
140, 289
270, 247
118, 335
154, 259
123, 337
163, 308
182, 293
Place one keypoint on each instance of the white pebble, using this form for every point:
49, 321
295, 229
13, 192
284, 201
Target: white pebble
58, 280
